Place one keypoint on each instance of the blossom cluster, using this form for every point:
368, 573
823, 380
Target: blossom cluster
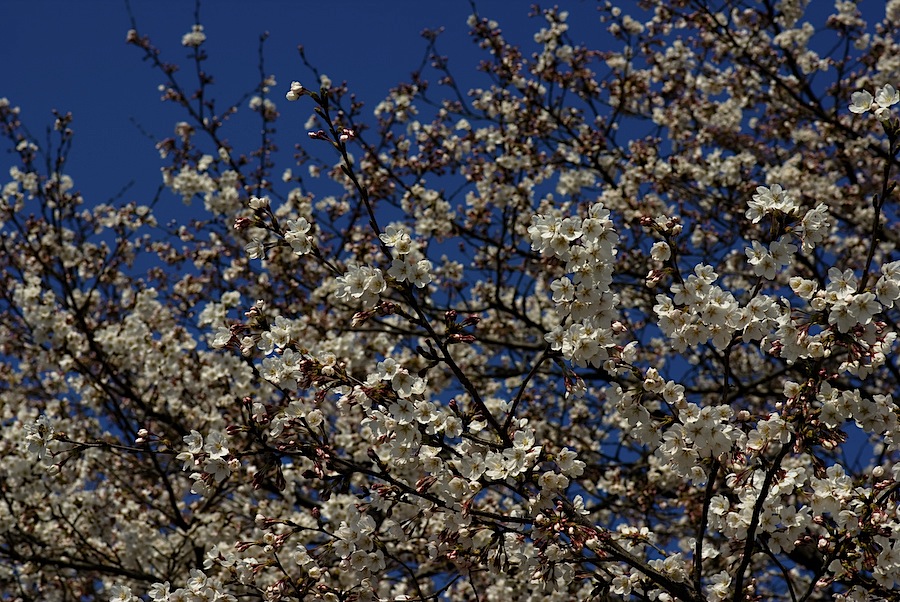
880, 104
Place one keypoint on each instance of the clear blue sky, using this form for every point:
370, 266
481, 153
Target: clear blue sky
71, 56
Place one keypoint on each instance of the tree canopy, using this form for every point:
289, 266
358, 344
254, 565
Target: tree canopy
619, 324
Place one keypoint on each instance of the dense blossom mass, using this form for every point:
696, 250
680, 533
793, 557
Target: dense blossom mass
619, 324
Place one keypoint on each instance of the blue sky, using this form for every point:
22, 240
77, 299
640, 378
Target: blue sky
72, 56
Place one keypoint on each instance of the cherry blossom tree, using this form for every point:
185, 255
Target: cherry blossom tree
619, 324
